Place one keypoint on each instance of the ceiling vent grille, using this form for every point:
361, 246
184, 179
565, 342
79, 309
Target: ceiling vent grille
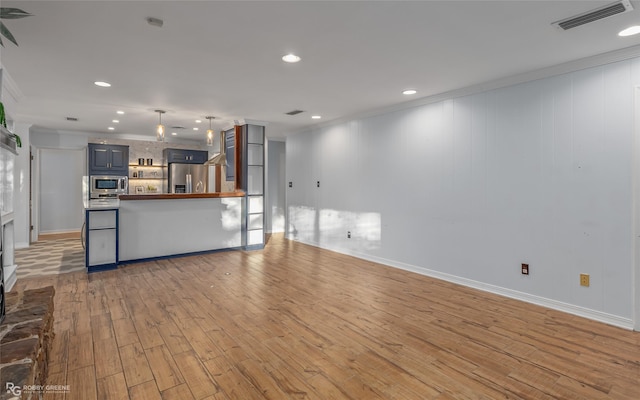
618, 7
294, 112
74, 119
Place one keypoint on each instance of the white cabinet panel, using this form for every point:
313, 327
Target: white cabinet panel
255, 134
255, 205
102, 247
102, 219
255, 180
255, 237
255, 154
255, 221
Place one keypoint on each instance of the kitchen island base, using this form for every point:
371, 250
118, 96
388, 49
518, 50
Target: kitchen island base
101, 235
160, 226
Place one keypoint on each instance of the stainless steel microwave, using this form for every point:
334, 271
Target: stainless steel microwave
103, 186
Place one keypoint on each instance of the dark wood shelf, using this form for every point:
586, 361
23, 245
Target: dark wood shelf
178, 196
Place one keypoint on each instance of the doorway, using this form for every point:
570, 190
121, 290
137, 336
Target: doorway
60, 204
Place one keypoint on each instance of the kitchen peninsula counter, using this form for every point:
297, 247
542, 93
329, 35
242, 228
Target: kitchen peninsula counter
164, 225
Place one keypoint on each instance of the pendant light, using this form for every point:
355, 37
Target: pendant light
210, 132
160, 127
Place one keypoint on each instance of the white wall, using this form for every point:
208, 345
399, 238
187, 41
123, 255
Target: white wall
60, 190
275, 210
22, 187
469, 188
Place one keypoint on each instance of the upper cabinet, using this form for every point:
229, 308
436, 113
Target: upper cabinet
186, 156
108, 159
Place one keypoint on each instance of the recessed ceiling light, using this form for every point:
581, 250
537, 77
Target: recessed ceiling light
115, 121
195, 129
174, 134
102, 84
111, 128
632, 30
120, 112
410, 91
198, 121
316, 117
291, 58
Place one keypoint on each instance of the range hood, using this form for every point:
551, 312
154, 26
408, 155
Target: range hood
220, 158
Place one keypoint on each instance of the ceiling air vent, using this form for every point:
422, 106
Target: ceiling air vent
618, 7
294, 112
74, 119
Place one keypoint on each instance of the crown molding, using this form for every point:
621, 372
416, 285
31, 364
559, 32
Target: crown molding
547, 72
10, 94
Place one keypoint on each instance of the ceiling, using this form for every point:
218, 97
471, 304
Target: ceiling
223, 58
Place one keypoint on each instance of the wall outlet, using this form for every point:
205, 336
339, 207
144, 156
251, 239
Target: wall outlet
290, 184
525, 269
584, 280
348, 234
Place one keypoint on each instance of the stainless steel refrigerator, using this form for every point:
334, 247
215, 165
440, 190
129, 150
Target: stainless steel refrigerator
187, 178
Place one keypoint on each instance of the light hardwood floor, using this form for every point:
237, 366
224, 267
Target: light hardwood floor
297, 322
56, 236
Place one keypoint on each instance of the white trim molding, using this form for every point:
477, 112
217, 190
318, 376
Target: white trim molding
595, 315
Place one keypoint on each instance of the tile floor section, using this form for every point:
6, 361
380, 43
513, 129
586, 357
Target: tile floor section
50, 257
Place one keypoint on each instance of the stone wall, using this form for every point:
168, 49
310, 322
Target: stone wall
26, 336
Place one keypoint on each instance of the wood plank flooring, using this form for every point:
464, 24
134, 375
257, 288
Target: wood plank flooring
297, 322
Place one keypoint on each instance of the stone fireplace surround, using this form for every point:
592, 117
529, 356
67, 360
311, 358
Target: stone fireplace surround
26, 336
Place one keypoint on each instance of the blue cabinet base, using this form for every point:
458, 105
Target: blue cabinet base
195, 253
108, 267
103, 267
89, 232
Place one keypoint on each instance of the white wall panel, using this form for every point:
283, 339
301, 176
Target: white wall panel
469, 188
617, 190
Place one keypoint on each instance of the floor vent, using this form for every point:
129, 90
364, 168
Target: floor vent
294, 112
618, 7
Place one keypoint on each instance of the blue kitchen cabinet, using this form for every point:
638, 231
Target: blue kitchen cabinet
101, 236
108, 159
184, 156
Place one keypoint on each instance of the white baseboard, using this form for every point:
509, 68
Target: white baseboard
615, 320
21, 245
10, 277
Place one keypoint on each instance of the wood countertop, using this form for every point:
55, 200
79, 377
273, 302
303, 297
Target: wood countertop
179, 196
